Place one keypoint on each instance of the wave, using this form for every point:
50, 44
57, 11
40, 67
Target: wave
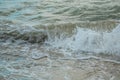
88, 41
69, 37
27, 34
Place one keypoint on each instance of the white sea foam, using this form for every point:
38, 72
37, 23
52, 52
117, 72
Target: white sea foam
90, 41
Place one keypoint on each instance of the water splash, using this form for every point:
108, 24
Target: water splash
89, 41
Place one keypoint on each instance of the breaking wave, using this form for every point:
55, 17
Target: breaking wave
88, 41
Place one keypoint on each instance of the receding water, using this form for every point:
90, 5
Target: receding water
59, 39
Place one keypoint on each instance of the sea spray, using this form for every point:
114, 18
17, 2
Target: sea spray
89, 41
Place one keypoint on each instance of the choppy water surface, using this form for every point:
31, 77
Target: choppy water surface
59, 39
36, 12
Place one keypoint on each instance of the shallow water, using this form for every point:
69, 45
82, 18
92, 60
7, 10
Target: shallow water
36, 12
59, 39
